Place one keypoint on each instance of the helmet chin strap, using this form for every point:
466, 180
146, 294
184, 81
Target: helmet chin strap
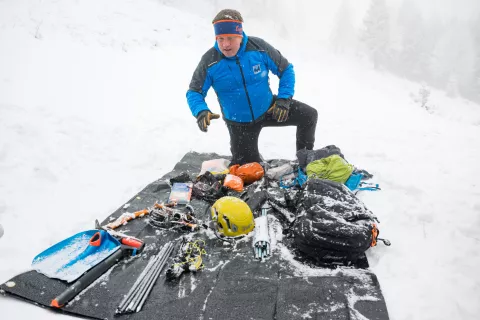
222, 237
213, 226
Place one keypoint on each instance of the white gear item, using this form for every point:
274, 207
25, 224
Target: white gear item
215, 166
261, 239
277, 172
261, 230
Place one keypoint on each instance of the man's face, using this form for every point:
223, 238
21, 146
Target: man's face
229, 46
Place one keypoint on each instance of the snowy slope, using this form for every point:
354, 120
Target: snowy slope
92, 108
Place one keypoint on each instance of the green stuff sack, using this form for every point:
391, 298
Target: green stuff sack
333, 168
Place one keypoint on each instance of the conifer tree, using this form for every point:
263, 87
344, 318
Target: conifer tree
343, 34
454, 59
414, 51
375, 35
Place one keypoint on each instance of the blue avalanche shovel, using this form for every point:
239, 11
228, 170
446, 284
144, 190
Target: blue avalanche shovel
72, 257
84, 257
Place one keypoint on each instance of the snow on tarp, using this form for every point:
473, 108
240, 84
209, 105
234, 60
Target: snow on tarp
233, 284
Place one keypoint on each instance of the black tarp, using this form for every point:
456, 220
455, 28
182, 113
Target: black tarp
232, 286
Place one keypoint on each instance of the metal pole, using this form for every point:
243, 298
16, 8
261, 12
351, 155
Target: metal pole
150, 277
135, 285
150, 287
141, 279
139, 282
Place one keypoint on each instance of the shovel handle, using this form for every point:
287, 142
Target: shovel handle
135, 243
88, 278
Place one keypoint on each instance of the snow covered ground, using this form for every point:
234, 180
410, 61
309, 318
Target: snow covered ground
92, 108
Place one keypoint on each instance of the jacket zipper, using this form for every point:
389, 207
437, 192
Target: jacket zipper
246, 91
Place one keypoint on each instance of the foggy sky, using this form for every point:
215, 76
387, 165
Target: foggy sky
445, 10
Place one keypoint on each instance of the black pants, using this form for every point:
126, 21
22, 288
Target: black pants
244, 138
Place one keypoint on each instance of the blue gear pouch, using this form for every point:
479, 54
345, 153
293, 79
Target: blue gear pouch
301, 177
299, 180
354, 181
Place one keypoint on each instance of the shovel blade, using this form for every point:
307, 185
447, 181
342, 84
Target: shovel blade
72, 257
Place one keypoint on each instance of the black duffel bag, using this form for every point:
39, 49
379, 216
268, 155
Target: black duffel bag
333, 226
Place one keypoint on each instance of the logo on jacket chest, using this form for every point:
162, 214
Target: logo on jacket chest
256, 69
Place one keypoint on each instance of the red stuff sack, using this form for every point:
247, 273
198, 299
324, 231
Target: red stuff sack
249, 172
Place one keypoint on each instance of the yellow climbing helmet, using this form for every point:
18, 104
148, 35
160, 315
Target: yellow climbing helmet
233, 216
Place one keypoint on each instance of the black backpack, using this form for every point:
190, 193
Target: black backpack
333, 227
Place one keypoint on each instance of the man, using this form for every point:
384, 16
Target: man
237, 68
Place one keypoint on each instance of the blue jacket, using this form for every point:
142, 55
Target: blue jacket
241, 82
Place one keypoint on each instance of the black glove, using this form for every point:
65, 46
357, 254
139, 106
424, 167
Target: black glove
203, 119
280, 109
